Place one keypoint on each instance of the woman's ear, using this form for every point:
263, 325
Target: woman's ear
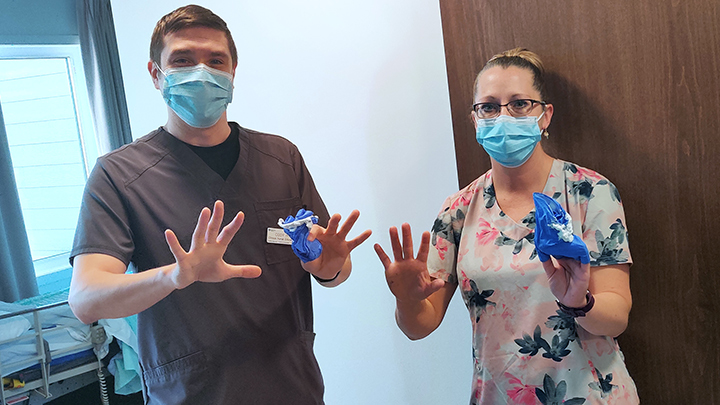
473, 117
547, 117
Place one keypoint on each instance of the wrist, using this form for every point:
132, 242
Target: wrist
577, 312
327, 280
170, 277
409, 305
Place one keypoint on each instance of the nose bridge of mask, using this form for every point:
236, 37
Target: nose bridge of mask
490, 122
196, 73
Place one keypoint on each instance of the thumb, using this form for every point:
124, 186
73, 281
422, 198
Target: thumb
244, 271
434, 286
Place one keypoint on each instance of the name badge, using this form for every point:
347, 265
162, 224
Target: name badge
277, 236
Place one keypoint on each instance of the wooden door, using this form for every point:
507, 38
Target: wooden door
636, 90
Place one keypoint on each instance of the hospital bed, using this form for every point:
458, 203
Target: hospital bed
45, 352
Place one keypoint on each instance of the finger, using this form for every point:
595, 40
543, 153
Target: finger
353, 243
198, 236
228, 233
424, 247
384, 259
333, 224
395, 243
215, 221
407, 241
549, 268
315, 231
174, 245
348, 224
434, 286
245, 271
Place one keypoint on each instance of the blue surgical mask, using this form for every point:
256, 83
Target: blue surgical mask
509, 140
198, 94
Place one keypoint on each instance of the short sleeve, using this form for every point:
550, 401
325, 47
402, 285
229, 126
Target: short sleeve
309, 194
445, 239
103, 224
604, 229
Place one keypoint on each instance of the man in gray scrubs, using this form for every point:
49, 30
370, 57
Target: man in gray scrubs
225, 306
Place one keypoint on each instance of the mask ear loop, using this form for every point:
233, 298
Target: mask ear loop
543, 132
164, 76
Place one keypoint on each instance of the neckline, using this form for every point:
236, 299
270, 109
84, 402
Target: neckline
503, 222
199, 170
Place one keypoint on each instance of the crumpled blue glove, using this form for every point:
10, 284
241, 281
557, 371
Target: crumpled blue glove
554, 233
298, 228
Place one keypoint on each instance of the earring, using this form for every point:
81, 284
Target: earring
545, 133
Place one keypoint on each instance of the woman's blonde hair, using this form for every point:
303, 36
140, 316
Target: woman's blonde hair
523, 59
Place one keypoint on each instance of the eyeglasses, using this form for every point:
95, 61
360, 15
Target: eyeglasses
516, 108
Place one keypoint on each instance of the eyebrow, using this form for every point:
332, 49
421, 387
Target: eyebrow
182, 52
495, 100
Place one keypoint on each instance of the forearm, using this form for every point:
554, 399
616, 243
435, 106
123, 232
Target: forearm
417, 319
110, 295
342, 275
609, 315
329, 271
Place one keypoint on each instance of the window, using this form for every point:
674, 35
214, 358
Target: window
52, 143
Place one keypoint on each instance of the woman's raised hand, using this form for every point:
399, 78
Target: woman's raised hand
408, 276
569, 280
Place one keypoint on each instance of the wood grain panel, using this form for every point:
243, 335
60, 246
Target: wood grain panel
636, 90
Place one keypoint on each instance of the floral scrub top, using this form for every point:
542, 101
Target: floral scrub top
525, 350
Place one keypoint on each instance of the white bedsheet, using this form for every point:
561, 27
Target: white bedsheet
64, 333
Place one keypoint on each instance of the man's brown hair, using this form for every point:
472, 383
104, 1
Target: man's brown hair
187, 17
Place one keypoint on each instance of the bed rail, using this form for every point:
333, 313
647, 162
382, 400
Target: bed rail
43, 357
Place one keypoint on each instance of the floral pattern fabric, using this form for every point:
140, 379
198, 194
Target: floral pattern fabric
525, 350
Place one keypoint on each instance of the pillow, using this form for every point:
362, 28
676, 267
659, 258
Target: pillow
13, 327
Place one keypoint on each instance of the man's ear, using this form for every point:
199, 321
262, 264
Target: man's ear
154, 73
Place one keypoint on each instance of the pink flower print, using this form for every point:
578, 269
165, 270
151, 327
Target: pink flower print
493, 261
486, 234
463, 200
521, 265
465, 282
583, 173
520, 393
442, 247
625, 399
597, 345
462, 250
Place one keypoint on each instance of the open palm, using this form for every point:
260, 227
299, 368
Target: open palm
408, 276
204, 261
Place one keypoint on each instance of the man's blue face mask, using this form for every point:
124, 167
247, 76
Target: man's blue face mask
509, 140
198, 94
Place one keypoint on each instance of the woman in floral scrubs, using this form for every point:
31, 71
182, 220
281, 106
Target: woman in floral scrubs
526, 349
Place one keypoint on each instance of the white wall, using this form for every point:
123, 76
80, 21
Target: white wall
361, 88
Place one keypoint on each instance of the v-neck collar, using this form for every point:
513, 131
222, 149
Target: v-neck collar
199, 170
507, 225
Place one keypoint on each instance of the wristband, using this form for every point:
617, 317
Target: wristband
578, 312
327, 280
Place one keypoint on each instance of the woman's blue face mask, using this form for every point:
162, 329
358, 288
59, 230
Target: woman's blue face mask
509, 140
198, 94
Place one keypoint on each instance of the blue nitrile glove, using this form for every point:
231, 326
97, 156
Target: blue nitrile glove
553, 232
298, 228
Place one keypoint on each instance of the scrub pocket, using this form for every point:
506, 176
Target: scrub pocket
178, 381
268, 213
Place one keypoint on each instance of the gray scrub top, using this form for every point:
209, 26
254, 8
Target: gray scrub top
242, 341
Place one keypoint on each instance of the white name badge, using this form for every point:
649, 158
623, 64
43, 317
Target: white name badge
277, 236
